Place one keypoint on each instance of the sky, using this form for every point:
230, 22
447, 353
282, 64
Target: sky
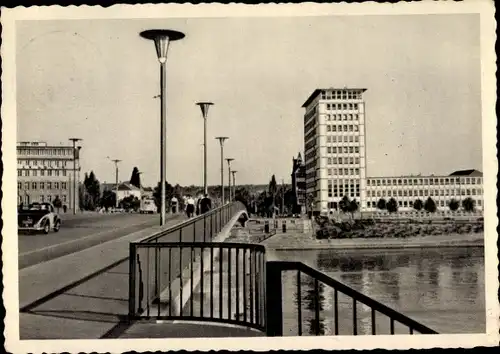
96, 80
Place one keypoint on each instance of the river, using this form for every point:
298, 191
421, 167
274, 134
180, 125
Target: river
442, 288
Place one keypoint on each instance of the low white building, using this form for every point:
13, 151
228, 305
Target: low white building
124, 190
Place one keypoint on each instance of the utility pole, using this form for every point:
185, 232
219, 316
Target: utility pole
282, 196
234, 183
221, 141
116, 179
229, 175
74, 140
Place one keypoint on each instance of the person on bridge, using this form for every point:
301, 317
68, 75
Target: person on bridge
205, 204
190, 206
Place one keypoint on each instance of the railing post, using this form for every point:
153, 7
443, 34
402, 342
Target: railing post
274, 300
132, 281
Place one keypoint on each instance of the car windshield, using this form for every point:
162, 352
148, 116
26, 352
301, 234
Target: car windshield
38, 207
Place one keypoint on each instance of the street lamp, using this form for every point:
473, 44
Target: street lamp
221, 141
162, 39
234, 183
204, 111
116, 179
229, 175
74, 140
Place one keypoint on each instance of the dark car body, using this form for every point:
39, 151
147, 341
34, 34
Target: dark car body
38, 217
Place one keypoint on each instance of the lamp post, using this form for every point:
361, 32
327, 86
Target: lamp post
234, 183
204, 111
221, 141
229, 175
116, 179
74, 140
162, 39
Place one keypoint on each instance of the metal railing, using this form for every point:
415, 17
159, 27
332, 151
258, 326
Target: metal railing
223, 282
347, 318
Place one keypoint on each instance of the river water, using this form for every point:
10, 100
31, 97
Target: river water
442, 288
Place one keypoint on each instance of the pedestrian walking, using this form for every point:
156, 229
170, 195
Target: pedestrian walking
205, 204
190, 207
174, 203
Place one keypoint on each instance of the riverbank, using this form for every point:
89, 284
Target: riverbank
302, 241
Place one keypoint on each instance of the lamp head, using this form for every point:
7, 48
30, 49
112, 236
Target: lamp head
229, 160
162, 39
221, 139
204, 108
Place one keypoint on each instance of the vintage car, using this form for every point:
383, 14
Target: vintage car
38, 217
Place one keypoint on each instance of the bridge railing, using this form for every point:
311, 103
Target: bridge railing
152, 268
224, 282
354, 314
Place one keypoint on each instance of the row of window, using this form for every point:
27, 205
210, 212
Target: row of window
340, 117
35, 173
309, 125
45, 151
409, 203
343, 161
42, 185
344, 128
426, 193
44, 163
311, 134
342, 149
309, 114
343, 172
341, 95
340, 139
341, 106
421, 181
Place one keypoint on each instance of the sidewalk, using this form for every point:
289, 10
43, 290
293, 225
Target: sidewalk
72, 307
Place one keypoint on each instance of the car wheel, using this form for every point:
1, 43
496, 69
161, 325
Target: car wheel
46, 228
57, 226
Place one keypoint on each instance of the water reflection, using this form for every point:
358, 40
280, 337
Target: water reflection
441, 288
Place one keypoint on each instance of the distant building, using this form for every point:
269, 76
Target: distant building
45, 172
125, 189
335, 161
299, 184
406, 189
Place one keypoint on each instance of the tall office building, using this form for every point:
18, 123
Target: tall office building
335, 161
44, 172
334, 147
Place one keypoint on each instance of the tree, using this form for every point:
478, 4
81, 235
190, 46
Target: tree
345, 204
169, 193
430, 205
418, 205
92, 191
57, 203
381, 204
392, 205
468, 204
130, 203
453, 204
108, 199
353, 207
273, 189
135, 179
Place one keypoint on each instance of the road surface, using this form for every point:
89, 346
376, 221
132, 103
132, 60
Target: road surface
76, 228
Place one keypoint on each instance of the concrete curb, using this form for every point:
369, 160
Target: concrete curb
62, 249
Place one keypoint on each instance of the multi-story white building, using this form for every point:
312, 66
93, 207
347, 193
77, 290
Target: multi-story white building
334, 139
335, 161
44, 172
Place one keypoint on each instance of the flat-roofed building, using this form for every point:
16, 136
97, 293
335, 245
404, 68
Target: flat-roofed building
335, 161
45, 172
442, 189
334, 146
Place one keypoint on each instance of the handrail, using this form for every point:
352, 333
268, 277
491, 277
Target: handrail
276, 267
187, 223
235, 245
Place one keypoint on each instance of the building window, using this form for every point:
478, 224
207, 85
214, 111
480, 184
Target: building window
334, 149
334, 128
367, 182
56, 185
42, 185
49, 185
19, 185
33, 185
49, 172
328, 128
42, 173
399, 182
26, 185
329, 149
329, 161
356, 138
